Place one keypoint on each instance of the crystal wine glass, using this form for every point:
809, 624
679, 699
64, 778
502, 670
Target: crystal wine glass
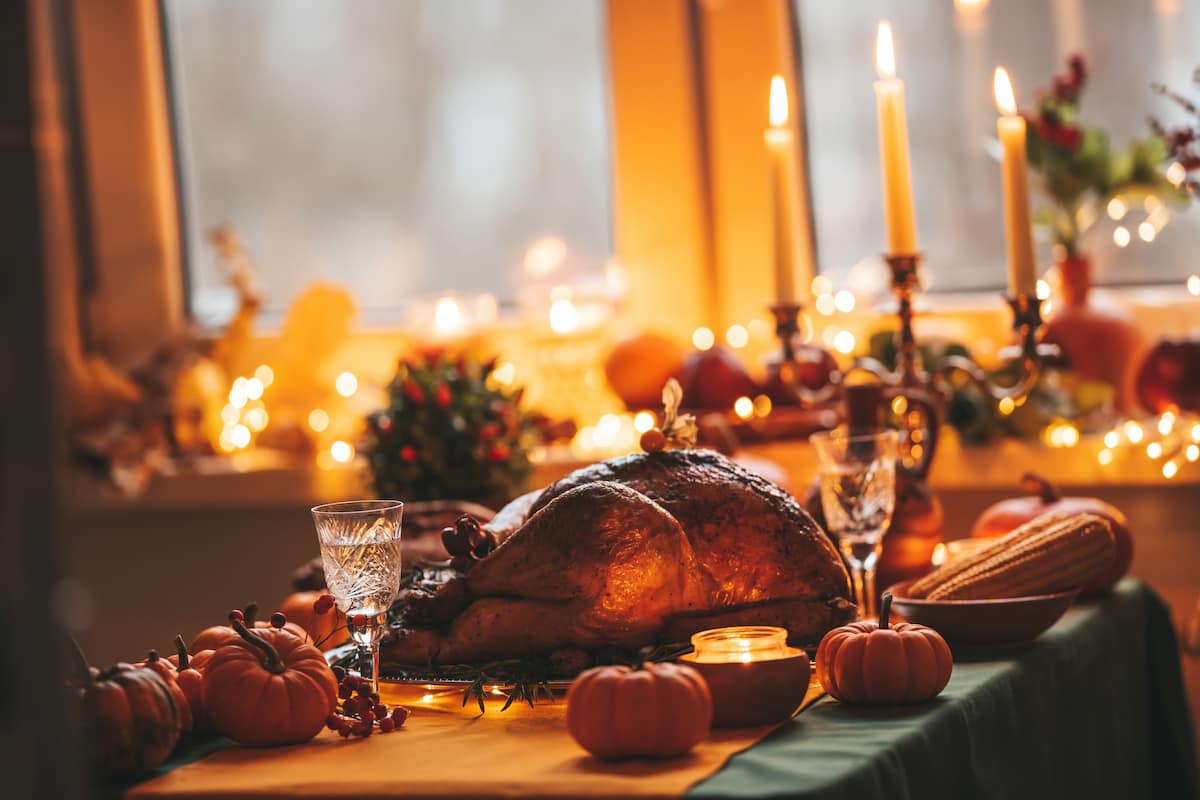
360, 545
858, 495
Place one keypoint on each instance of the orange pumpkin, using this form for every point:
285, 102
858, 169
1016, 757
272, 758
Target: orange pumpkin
191, 680
874, 663
1005, 516
325, 630
657, 711
135, 717
268, 688
167, 670
213, 637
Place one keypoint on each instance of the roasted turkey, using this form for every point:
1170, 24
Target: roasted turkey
629, 552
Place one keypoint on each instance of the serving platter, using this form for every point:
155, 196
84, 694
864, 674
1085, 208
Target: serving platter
448, 677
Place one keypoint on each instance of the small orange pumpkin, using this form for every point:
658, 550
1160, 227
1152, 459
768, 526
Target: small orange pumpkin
657, 711
135, 716
268, 688
167, 670
1043, 497
872, 663
325, 630
214, 636
191, 680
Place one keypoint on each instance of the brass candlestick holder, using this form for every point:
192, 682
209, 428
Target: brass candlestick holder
909, 373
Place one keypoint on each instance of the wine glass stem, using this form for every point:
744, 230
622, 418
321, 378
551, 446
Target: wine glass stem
368, 663
860, 594
868, 581
862, 573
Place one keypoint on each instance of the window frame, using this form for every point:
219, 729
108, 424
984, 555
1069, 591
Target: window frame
689, 194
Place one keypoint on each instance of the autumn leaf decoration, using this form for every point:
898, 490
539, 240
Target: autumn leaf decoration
680, 429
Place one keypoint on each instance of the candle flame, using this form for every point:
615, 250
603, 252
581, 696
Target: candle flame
779, 102
885, 51
1003, 89
447, 316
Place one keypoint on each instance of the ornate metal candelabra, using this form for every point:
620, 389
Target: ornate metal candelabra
909, 373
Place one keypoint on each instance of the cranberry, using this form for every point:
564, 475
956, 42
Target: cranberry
367, 717
380, 710
323, 604
364, 690
399, 714
387, 725
345, 692
359, 621
653, 441
339, 673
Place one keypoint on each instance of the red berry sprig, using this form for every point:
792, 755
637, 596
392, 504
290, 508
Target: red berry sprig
361, 710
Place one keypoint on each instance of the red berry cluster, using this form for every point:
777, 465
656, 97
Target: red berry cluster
467, 542
361, 711
1183, 141
1065, 90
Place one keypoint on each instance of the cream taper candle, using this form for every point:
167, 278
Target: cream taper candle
893, 148
793, 269
1010, 127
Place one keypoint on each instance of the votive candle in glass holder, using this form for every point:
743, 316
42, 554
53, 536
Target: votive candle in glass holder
754, 676
742, 644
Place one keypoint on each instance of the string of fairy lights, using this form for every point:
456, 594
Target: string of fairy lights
1171, 440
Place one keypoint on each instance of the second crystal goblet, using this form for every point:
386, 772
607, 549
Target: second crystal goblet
858, 495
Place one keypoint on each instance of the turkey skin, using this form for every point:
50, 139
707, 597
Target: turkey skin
633, 551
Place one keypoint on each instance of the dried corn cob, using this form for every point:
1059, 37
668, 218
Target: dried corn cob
923, 586
1066, 555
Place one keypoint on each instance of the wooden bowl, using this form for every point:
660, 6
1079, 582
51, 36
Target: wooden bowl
1011, 620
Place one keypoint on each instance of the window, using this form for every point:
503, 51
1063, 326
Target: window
946, 53
396, 148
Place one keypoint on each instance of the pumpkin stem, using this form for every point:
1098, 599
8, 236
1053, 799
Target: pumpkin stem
1035, 484
250, 612
152, 656
185, 660
885, 609
80, 663
270, 655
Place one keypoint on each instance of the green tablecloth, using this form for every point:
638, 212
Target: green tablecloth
1093, 709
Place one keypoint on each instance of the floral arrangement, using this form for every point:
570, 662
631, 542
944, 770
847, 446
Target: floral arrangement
1183, 142
1079, 167
449, 432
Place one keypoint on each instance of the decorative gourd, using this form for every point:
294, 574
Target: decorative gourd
1006, 516
325, 630
1169, 376
135, 716
657, 711
637, 368
191, 680
167, 670
213, 637
268, 688
873, 663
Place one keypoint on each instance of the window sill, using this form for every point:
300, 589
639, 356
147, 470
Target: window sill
267, 479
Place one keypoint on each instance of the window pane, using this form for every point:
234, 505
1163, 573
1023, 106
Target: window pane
946, 53
397, 148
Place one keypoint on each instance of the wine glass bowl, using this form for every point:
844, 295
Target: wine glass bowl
858, 495
360, 547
